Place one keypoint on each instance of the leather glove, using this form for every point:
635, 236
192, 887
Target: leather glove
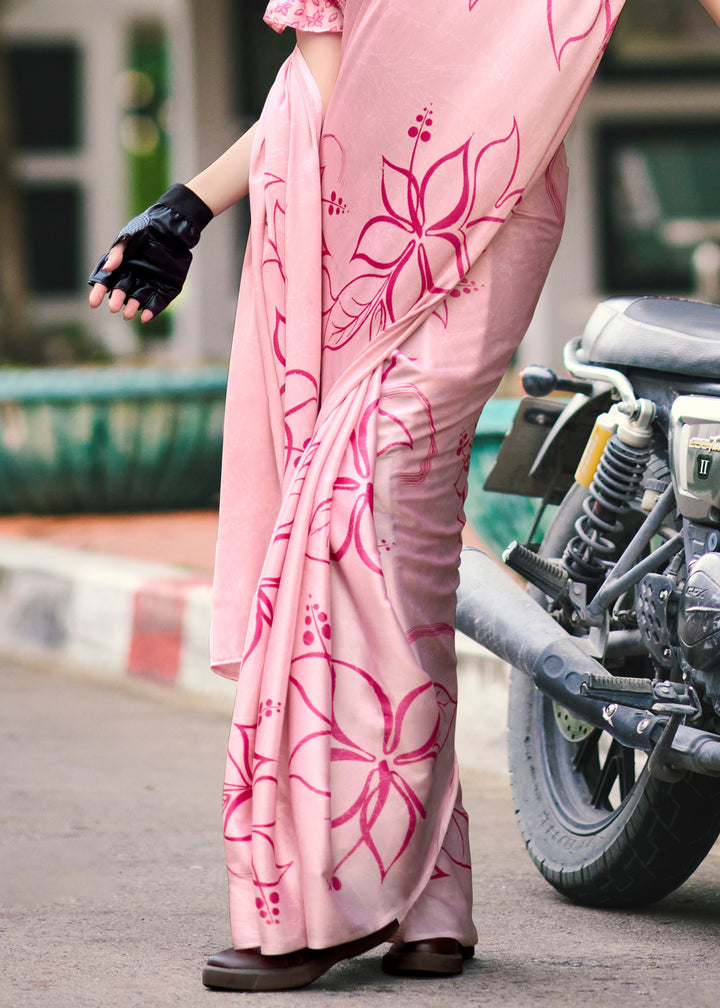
157, 252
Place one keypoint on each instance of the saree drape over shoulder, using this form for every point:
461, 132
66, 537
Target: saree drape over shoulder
396, 254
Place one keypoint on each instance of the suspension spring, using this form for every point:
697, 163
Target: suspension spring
612, 490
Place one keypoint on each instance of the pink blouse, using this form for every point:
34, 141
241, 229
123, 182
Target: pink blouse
306, 15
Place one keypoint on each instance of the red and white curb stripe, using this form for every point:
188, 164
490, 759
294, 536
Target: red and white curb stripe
107, 616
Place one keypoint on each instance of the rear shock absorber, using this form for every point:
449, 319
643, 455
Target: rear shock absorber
611, 469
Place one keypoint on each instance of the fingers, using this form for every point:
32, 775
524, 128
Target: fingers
97, 293
129, 308
118, 300
115, 257
113, 260
117, 303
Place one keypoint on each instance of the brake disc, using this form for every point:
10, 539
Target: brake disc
571, 727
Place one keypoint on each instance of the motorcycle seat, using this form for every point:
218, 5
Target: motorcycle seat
672, 335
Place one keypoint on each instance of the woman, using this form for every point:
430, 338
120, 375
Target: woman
407, 184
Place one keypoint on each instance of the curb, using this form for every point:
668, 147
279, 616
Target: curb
106, 616
117, 619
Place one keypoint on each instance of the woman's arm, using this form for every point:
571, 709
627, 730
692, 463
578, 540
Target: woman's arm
220, 185
226, 180
713, 9
321, 51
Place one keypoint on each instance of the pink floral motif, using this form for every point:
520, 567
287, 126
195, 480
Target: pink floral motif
245, 770
461, 482
465, 286
269, 707
360, 302
276, 230
560, 44
377, 792
358, 532
300, 410
299, 389
429, 630
268, 900
419, 245
357, 528
405, 438
455, 848
404, 241
263, 610
379, 771
335, 204
306, 15
463, 452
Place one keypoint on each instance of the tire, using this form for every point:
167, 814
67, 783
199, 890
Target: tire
598, 827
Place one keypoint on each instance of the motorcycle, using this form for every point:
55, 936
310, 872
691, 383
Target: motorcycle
614, 693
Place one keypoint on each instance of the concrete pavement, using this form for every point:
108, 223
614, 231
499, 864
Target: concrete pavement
112, 888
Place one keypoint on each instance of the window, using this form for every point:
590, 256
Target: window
44, 83
659, 200
52, 213
656, 38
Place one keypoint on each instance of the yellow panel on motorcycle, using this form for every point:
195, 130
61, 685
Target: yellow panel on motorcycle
605, 426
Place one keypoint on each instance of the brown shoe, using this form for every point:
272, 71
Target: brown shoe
250, 970
431, 957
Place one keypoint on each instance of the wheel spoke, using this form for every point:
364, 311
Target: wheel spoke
626, 771
608, 775
585, 756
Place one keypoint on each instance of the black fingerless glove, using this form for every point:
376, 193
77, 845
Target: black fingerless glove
157, 253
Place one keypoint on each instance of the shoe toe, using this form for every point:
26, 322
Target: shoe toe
232, 958
429, 957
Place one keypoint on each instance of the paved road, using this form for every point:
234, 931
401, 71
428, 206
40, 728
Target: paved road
113, 892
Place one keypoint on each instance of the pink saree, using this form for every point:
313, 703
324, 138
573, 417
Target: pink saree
396, 255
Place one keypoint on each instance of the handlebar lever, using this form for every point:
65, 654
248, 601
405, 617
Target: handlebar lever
539, 381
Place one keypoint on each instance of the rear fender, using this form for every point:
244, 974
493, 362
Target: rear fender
540, 453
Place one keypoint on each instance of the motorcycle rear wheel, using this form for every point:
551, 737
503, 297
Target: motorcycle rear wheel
598, 827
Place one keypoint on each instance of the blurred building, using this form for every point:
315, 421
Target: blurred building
115, 99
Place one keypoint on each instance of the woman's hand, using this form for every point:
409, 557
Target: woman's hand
149, 261
116, 301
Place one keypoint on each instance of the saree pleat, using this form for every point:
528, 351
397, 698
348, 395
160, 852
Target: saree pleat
396, 255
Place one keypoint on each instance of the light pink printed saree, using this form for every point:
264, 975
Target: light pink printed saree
396, 255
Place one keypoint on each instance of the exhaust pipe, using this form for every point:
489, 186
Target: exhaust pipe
494, 611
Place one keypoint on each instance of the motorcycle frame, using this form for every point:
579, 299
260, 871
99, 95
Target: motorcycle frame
558, 664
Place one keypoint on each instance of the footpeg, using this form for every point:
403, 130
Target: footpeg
638, 693
549, 577
643, 694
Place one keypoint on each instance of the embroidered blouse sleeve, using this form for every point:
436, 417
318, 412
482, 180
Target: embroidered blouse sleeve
305, 15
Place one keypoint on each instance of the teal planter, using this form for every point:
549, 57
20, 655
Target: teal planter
498, 518
110, 439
